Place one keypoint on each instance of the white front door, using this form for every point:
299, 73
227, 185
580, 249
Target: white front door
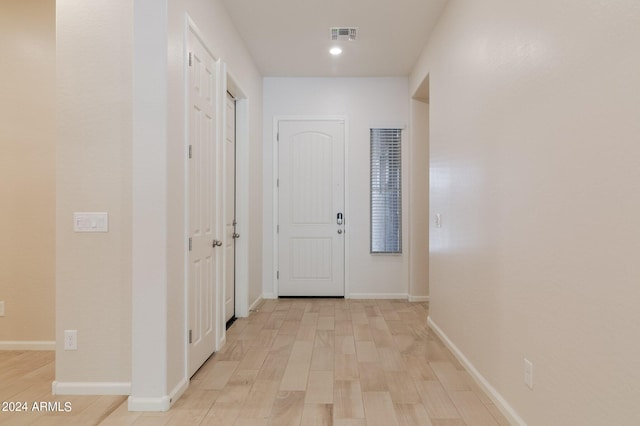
311, 208
230, 210
202, 259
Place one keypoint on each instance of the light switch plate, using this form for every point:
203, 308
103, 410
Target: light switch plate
91, 222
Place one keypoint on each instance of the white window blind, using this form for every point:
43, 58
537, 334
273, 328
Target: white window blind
386, 191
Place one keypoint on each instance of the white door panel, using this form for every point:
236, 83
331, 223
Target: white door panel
202, 259
310, 197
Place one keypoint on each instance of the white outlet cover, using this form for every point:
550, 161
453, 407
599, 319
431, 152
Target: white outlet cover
70, 340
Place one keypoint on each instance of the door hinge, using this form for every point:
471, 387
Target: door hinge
277, 183
277, 229
278, 275
190, 336
190, 61
190, 244
190, 151
278, 136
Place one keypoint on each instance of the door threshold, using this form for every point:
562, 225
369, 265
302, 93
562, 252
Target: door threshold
310, 297
231, 321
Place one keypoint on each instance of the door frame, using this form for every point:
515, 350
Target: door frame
276, 195
230, 84
225, 80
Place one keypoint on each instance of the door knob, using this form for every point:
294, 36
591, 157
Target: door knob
236, 235
339, 231
216, 243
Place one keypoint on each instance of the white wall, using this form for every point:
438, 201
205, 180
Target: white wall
534, 167
366, 102
149, 288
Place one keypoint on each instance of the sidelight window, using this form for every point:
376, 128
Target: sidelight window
386, 191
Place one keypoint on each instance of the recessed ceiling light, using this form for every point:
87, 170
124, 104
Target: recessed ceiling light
335, 51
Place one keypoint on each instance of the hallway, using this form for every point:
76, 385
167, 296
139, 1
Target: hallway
329, 361
297, 362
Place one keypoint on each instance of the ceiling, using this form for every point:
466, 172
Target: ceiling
290, 38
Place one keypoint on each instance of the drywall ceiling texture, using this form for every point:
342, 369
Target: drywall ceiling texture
366, 102
27, 172
534, 168
290, 38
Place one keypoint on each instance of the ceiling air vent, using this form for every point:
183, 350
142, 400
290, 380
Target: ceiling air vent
344, 33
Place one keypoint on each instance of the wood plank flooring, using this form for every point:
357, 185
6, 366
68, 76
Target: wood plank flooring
26, 377
293, 362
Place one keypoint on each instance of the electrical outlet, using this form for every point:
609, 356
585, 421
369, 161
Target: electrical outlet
1, 308
528, 373
71, 340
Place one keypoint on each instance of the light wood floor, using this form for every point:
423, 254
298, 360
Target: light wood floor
293, 362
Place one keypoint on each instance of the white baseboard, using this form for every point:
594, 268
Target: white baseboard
484, 384
162, 403
177, 391
377, 296
91, 388
256, 303
269, 296
20, 345
418, 298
